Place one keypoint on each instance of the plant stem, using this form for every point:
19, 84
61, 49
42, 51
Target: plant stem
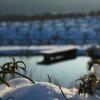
49, 78
63, 93
25, 77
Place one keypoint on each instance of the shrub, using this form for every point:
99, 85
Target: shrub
11, 68
88, 84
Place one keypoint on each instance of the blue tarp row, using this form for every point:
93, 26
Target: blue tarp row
48, 41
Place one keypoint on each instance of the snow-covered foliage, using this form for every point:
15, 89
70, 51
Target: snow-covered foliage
96, 70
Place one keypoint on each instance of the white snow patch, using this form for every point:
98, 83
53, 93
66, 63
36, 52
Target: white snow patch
23, 89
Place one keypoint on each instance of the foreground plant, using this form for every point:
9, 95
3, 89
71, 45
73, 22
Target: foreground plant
3, 81
59, 87
88, 84
11, 68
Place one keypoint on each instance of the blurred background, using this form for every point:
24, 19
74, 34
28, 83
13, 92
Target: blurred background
28, 27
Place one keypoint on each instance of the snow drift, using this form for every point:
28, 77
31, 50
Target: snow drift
23, 89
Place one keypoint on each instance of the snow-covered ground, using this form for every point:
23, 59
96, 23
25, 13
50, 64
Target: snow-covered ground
22, 89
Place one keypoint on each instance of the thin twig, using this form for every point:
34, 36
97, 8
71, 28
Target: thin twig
59, 88
63, 93
25, 77
49, 78
5, 82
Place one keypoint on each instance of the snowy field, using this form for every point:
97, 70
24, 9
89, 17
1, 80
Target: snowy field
22, 89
